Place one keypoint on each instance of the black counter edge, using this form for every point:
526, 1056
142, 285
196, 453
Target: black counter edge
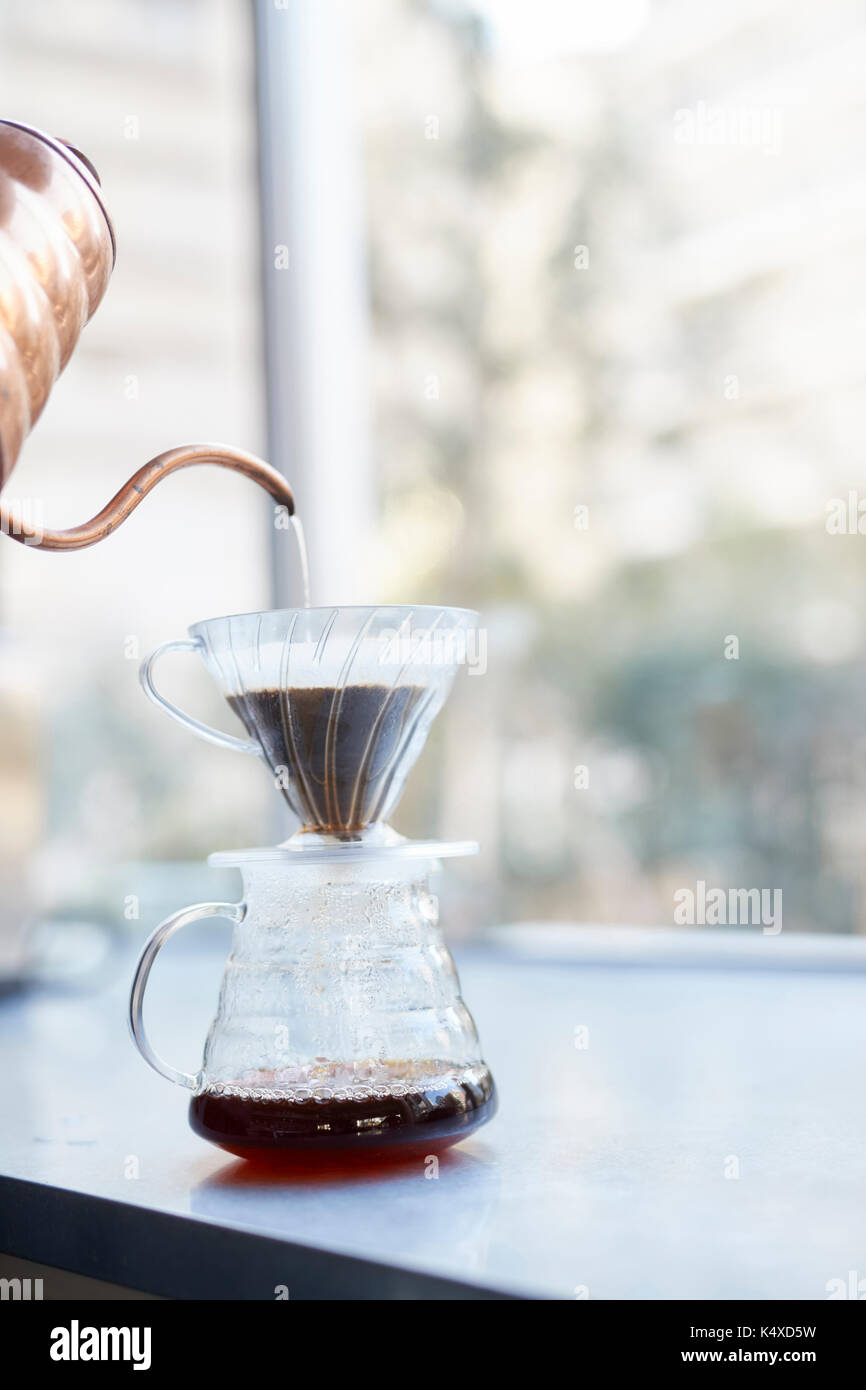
180, 1257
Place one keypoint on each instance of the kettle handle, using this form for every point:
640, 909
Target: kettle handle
154, 944
145, 675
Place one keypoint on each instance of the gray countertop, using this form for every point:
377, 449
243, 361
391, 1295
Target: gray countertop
674, 1123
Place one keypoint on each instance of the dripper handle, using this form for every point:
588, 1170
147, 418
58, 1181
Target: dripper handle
189, 644
153, 945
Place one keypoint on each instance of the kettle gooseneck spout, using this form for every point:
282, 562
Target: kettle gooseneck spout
125, 501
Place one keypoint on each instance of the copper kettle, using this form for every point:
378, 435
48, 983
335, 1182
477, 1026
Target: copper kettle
57, 252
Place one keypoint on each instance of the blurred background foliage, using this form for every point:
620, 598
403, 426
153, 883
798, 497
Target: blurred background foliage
617, 265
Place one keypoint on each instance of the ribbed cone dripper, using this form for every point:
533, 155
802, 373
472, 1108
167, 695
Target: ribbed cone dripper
339, 700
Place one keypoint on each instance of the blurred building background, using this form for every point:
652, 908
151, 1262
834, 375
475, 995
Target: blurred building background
161, 98
614, 266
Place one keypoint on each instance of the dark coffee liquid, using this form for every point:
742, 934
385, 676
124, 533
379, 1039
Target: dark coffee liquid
337, 746
428, 1119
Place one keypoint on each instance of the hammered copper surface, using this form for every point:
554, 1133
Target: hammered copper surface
57, 252
56, 258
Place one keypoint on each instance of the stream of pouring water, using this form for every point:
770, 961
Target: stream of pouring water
300, 541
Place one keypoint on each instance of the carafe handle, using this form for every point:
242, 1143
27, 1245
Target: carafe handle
153, 945
189, 644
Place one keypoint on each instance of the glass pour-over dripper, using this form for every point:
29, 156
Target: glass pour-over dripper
338, 701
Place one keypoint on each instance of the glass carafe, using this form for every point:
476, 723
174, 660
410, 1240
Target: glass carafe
340, 1021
